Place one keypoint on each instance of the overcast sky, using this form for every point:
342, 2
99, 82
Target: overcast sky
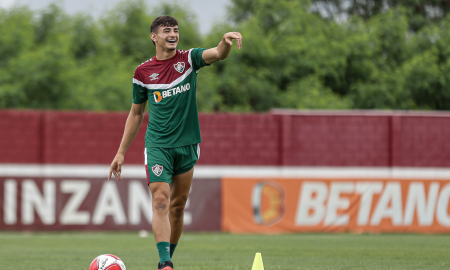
208, 11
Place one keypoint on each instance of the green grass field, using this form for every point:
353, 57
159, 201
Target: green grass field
75, 251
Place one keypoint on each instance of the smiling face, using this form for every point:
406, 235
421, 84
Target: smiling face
166, 38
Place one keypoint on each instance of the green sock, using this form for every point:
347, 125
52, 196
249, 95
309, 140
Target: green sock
163, 251
172, 249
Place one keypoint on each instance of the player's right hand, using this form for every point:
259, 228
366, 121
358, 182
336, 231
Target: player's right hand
116, 167
228, 38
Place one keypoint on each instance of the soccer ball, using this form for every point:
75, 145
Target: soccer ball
107, 262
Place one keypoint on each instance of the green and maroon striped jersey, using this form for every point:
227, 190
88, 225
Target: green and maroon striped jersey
170, 88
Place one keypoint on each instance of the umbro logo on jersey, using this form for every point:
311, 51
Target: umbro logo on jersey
157, 169
154, 76
179, 67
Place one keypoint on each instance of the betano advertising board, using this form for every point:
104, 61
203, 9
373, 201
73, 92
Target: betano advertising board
324, 205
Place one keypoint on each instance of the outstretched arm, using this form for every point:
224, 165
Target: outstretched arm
132, 126
223, 49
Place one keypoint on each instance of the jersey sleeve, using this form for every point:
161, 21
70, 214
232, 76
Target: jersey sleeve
197, 59
139, 91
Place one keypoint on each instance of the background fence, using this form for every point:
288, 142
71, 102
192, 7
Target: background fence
279, 138
283, 171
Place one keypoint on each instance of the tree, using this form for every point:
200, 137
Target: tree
285, 47
296, 54
51, 60
128, 26
420, 12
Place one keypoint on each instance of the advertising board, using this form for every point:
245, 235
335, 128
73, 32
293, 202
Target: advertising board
49, 204
335, 205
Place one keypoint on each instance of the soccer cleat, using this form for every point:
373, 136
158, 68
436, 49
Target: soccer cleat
165, 266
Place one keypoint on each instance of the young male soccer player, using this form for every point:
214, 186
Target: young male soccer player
168, 82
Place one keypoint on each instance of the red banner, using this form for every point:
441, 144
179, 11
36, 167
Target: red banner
97, 204
324, 205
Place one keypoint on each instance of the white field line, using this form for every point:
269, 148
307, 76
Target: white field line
204, 171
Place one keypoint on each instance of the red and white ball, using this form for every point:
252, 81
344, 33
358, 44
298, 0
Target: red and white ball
107, 262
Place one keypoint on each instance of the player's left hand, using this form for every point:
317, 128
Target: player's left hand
228, 38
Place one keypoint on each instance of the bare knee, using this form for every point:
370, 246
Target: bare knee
177, 206
177, 211
160, 203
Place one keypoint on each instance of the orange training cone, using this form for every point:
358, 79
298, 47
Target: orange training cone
258, 263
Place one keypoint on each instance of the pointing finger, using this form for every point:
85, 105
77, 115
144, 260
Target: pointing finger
116, 175
119, 171
239, 42
110, 173
238, 38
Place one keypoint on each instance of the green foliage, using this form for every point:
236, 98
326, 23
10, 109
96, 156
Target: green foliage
373, 60
51, 60
17, 33
286, 51
310, 93
128, 26
419, 12
304, 54
43, 76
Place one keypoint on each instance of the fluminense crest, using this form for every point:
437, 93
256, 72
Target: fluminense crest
179, 67
157, 169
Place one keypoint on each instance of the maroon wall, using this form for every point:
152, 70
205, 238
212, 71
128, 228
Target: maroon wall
20, 137
340, 140
424, 141
65, 137
240, 139
358, 138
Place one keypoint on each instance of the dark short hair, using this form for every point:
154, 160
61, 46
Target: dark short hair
166, 21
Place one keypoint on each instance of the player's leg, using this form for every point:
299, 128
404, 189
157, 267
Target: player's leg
160, 204
159, 174
179, 192
160, 222
185, 159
